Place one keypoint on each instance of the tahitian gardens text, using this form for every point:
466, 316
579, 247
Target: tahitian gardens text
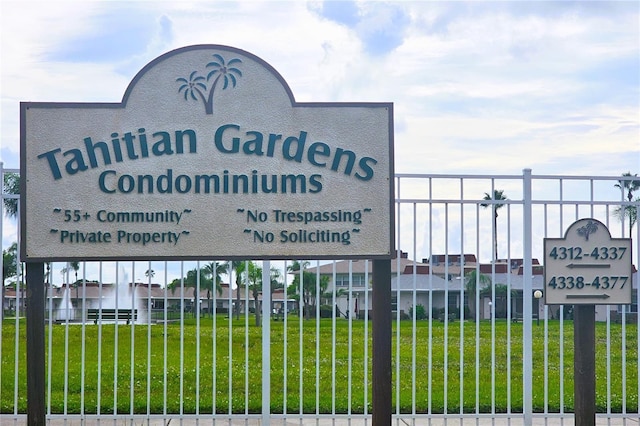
229, 139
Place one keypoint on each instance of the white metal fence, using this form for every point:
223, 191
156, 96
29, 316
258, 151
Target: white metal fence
469, 339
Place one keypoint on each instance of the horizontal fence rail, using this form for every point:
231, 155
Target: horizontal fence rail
155, 341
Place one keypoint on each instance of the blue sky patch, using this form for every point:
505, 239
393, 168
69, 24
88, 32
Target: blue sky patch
113, 38
379, 26
342, 12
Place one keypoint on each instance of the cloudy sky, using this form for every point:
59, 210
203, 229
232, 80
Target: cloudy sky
477, 87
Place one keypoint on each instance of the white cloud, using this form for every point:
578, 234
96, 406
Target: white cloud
480, 52
502, 69
452, 53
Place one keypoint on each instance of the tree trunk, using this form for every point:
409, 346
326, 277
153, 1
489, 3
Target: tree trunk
238, 286
196, 304
77, 297
19, 308
495, 232
307, 308
237, 301
46, 294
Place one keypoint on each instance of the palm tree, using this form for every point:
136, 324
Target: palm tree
11, 185
306, 291
149, 273
75, 266
197, 278
63, 272
9, 269
631, 212
214, 271
628, 185
276, 279
471, 279
254, 281
294, 289
500, 303
326, 296
238, 266
498, 195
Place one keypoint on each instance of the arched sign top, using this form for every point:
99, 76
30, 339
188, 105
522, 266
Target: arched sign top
588, 228
222, 51
202, 74
208, 156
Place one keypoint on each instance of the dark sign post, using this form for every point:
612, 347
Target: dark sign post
584, 364
36, 412
382, 323
586, 268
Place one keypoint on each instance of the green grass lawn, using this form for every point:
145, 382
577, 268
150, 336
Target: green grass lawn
92, 390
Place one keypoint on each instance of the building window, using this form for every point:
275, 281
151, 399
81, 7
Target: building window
634, 302
633, 307
342, 280
394, 303
453, 301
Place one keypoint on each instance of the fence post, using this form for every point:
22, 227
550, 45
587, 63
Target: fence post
527, 302
266, 343
1, 237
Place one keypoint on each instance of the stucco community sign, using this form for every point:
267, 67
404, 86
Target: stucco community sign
207, 156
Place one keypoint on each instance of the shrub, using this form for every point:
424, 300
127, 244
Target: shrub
326, 311
421, 312
437, 313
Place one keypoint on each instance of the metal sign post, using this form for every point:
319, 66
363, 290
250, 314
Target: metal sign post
585, 268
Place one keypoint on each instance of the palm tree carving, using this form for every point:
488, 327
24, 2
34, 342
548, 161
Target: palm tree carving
590, 228
197, 87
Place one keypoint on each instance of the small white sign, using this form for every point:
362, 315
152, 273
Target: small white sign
587, 266
208, 156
